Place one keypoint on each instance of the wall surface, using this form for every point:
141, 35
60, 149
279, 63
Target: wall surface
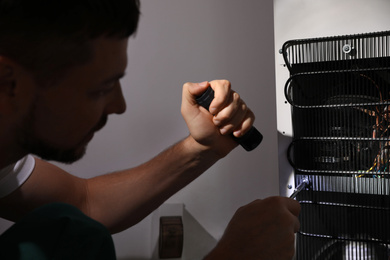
180, 41
300, 19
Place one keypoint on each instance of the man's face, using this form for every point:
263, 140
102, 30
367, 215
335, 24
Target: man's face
63, 118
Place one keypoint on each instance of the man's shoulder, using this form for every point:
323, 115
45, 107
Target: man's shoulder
14, 175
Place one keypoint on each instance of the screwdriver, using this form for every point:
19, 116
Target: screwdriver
300, 187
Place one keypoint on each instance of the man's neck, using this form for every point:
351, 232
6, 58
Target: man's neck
8, 157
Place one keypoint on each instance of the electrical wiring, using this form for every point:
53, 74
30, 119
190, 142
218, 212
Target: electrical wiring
381, 161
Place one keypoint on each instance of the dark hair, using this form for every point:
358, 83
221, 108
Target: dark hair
49, 36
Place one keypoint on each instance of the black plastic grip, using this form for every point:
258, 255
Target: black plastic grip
250, 140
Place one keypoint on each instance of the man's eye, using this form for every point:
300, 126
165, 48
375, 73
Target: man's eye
104, 91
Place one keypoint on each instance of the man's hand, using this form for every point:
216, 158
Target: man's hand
262, 230
228, 114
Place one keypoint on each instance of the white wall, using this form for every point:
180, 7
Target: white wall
299, 19
180, 41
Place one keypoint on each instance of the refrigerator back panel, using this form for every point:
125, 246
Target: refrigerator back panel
339, 92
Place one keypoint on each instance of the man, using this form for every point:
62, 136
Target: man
60, 66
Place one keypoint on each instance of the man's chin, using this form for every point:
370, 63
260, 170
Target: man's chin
63, 156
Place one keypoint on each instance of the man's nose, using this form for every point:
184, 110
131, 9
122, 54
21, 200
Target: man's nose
117, 105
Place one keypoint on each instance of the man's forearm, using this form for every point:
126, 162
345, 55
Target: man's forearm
121, 199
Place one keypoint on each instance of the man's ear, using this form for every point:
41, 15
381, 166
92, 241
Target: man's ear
7, 86
7, 77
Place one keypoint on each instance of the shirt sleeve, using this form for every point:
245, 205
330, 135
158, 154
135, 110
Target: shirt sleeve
14, 175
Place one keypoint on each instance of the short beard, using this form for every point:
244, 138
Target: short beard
48, 152
30, 143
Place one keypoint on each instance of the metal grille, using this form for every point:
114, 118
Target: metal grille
339, 91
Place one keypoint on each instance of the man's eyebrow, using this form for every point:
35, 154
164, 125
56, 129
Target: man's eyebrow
114, 78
